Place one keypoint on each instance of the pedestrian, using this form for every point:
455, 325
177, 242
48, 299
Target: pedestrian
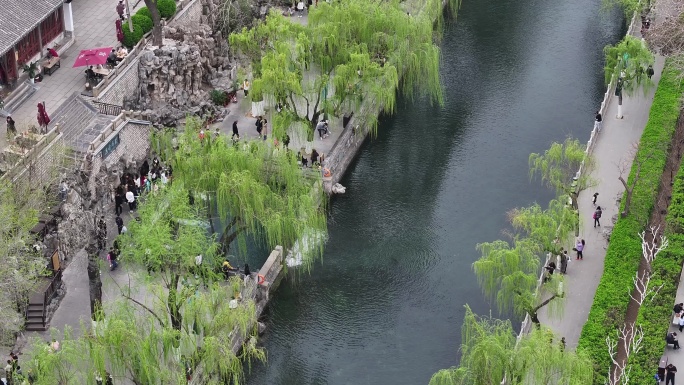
119, 223
235, 131
593, 200
245, 86
564, 262
11, 127
598, 121
597, 216
562, 344
549, 270
678, 308
322, 129
201, 135
314, 157
649, 71
9, 372
681, 324
112, 257
670, 376
101, 233
671, 339
579, 248
259, 125
130, 198
119, 200
120, 8
264, 127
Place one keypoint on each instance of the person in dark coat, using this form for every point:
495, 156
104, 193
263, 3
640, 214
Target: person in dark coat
649, 71
670, 376
120, 8
101, 233
235, 131
11, 127
597, 216
119, 223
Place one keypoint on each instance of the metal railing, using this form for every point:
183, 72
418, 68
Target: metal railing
50, 291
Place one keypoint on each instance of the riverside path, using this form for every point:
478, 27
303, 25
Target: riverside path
613, 147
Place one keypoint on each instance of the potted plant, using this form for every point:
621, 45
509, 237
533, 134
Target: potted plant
31, 69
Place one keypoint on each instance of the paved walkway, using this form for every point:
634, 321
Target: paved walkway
93, 27
613, 147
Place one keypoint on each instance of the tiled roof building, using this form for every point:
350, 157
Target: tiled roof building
26, 27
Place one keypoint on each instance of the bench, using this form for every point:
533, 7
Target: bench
49, 66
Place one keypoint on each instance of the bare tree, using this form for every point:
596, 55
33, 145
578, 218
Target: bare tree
630, 335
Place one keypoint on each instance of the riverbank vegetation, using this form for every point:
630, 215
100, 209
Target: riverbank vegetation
349, 52
509, 275
624, 251
178, 315
491, 353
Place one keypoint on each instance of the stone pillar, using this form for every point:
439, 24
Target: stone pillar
68, 18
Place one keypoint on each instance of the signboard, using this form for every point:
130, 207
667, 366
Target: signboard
111, 146
55, 261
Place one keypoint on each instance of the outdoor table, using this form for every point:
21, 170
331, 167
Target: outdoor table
101, 71
50, 65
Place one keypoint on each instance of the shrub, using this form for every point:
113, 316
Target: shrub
143, 21
132, 38
218, 97
624, 251
167, 8
144, 11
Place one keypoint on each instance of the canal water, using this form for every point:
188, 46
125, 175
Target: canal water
386, 302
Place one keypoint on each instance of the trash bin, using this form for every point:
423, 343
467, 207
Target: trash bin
661, 368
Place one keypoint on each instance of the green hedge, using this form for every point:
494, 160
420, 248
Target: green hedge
132, 38
143, 21
624, 251
144, 11
167, 8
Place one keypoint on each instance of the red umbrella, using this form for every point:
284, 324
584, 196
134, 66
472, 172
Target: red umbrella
91, 57
119, 31
43, 118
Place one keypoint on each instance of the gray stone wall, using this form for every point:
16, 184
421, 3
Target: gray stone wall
190, 14
133, 148
125, 85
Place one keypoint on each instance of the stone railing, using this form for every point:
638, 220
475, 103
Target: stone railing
31, 156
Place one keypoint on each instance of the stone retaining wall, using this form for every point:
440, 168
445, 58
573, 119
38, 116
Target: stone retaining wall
124, 86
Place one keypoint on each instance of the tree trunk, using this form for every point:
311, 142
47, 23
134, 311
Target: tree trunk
172, 303
628, 199
156, 19
95, 283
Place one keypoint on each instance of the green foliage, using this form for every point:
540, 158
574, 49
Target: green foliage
349, 51
624, 251
144, 11
628, 6
20, 266
655, 315
31, 68
629, 59
546, 227
218, 97
132, 38
558, 165
167, 8
509, 275
490, 352
143, 21
260, 191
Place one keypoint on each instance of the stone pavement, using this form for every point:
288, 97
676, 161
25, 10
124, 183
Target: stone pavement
93, 27
614, 146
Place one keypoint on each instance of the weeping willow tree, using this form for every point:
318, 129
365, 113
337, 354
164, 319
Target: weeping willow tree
490, 354
349, 52
130, 344
548, 228
508, 274
257, 190
627, 62
20, 266
558, 167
